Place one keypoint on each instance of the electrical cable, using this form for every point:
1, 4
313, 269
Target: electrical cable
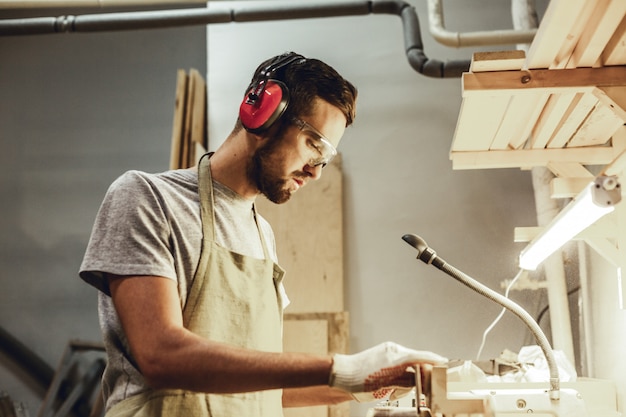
547, 307
497, 319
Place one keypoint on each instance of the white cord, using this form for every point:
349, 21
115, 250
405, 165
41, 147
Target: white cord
497, 319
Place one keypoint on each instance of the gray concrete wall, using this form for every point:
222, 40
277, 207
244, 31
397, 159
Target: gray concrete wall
76, 110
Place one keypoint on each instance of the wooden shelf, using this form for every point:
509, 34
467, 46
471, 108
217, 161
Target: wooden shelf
563, 102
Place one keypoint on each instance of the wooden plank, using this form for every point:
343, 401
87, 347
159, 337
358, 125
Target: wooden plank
186, 137
567, 187
497, 61
338, 328
198, 120
179, 117
309, 242
560, 17
548, 81
479, 120
550, 118
616, 166
607, 15
323, 334
307, 336
529, 158
536, 103
579, 110
614, 98
597, 129
615, 51
519, 118
564, 57
569, 169
199, 150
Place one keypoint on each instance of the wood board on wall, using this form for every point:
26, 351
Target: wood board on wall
322, 334
309, 240
189, 132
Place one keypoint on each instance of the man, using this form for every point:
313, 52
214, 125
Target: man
191, 297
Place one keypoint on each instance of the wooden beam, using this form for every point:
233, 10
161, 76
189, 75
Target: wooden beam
556, 26
581, 107
497, 61
187, 122
607, 15
550, 118
614, 97
479, 119
198, 133
597, 129
615, 51
568, 187
534, 112
547, 81
179, 118
564, 57
618, 165
569, 170
531, 157
521, 115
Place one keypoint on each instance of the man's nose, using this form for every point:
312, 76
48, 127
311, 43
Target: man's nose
314, 171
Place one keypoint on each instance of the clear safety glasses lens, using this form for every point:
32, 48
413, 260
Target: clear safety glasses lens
322, 151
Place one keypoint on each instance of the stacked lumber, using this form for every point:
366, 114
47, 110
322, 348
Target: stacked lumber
561, 106
189, 133
563, 102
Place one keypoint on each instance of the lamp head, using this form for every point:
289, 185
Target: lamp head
424, 253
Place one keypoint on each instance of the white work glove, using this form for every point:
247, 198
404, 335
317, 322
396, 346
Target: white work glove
378, 371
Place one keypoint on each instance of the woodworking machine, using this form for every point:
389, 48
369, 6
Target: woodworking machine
435, 396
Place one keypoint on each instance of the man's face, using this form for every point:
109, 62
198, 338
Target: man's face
282, 164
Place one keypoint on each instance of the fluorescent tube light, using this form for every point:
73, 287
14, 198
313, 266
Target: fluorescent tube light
596, 200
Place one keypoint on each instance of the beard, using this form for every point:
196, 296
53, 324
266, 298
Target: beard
264, 171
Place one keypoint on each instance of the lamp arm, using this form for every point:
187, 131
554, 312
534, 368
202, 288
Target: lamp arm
429, 256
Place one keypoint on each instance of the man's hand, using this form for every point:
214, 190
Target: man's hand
384, 369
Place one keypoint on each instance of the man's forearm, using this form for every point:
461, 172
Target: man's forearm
217, 368
317, 395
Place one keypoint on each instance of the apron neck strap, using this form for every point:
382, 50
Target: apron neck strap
207, 213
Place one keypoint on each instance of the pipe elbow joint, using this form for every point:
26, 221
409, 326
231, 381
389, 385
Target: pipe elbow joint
388, 6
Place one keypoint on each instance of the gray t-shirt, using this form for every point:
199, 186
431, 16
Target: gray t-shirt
149, 224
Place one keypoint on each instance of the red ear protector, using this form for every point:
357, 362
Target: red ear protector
260, 109
267, 98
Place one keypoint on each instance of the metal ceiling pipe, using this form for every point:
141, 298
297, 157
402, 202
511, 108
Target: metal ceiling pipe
275, 11
478, 38
55, 4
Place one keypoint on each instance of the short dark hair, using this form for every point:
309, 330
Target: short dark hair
307, 79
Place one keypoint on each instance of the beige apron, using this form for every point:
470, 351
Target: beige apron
233, 299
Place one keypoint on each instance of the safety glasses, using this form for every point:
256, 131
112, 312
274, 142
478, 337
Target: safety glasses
322, 151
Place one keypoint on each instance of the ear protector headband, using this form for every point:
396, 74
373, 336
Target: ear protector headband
267, 98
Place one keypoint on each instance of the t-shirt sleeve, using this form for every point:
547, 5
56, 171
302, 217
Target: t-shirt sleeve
131, 234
